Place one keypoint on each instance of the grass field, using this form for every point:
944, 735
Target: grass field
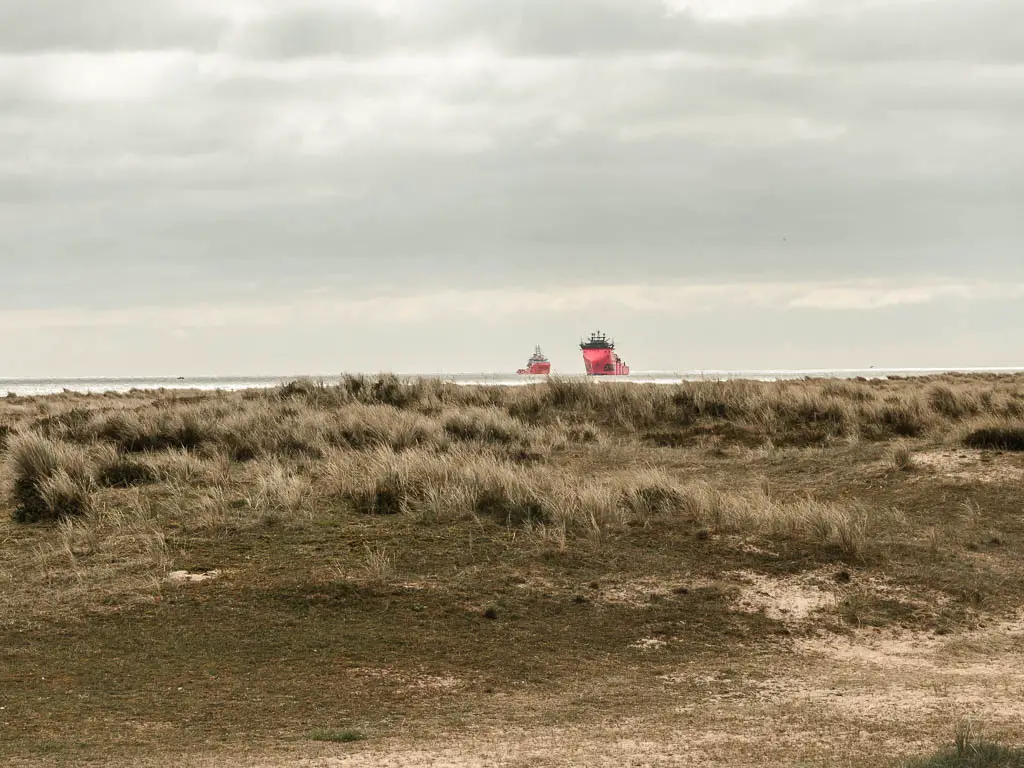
412, 573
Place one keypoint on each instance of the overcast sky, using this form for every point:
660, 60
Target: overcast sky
285, 186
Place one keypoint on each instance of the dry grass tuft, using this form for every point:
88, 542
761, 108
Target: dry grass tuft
157, 430
116, 470
952, 403
438, 486
280, 491
486, 425
66, 494
903, 457
374, 426
51, 480
651, 493
378, 564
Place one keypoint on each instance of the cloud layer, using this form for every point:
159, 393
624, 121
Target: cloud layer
181, 153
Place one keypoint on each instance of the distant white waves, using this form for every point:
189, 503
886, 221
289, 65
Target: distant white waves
25, 387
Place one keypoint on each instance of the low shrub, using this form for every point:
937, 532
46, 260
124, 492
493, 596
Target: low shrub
156, 431
120, 471
904, 419
116, 470
1001, 438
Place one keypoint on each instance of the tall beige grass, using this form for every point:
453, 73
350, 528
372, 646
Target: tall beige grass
307, 419
444, 487
51, 480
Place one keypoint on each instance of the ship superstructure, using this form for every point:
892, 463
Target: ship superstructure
599, 356
537, 364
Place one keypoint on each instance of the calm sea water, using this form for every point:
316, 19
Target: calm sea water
51, 386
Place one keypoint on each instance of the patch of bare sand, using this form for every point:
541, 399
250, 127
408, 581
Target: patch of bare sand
882, 649
649, 644
791, 599
634, 593
903, 649
904, 674
970, 465
410, 681
637, 592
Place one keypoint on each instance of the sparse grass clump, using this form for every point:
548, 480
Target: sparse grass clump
378, 564
305, 388
971, 750
51, 480
66, 494
903, 457
389, 483
180, 466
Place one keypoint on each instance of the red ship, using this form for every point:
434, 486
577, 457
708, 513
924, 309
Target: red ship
599, 357
536, 364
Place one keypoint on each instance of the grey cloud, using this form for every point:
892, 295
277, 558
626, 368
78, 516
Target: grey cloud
103, 25
596, 213
525, 165
823, 31
522, 26
338, 30
940, 30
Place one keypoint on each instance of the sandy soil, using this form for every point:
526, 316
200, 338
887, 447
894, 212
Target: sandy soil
970, 465
869, 696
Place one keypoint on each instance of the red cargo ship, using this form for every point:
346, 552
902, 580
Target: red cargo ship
599, 357
536, 364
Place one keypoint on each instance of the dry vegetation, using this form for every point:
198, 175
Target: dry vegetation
184, 574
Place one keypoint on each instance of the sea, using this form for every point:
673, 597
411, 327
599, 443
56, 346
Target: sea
29, 387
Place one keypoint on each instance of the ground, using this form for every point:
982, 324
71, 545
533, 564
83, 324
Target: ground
847, 599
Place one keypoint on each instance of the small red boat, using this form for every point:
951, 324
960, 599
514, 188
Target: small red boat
536, 364
599, 357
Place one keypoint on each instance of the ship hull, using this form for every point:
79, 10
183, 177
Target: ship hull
535, 369
604, 362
